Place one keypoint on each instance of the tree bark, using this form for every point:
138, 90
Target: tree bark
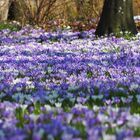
4, 9
117, 16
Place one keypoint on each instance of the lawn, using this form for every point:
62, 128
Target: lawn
68, 86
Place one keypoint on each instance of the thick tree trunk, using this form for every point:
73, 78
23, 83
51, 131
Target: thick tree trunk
117, 16
4, 9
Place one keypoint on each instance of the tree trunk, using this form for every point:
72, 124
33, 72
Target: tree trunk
79, 8
117, 16
4, 9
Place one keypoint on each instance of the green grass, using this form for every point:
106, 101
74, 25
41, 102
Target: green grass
10, 26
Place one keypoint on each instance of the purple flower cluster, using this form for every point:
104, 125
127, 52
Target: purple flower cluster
65, 85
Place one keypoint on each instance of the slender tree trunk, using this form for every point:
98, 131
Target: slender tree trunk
117, 16
79, 7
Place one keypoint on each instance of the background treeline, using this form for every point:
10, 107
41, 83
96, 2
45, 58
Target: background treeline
79, 14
